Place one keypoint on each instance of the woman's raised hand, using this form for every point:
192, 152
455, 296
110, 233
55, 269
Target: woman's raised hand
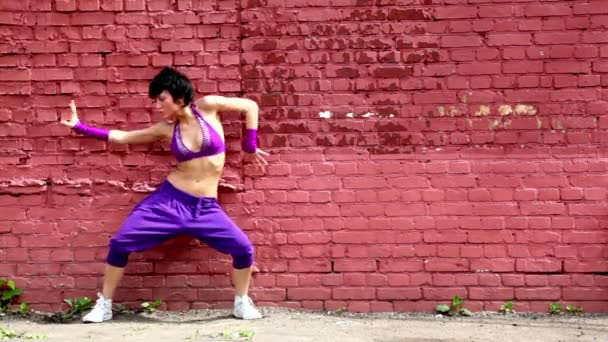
74, 119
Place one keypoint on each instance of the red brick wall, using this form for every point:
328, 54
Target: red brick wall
421, 149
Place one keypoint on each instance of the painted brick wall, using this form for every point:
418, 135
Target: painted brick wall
421, 149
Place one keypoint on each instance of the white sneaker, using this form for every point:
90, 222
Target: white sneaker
101, 312
244, 308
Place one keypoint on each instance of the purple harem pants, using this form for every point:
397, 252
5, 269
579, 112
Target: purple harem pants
169, 212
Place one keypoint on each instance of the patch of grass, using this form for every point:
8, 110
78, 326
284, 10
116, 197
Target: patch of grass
24, 309
555, 308
507, 308
77, 306
242, 335
456, 308
9, 334
574, 309
119, 309
246, 333
151, 307
8, 293
341, 310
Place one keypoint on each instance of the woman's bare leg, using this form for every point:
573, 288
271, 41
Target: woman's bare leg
241, 279
111, 279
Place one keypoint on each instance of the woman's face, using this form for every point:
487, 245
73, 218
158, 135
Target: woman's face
167, 106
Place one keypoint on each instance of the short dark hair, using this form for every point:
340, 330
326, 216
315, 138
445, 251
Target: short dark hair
173, 81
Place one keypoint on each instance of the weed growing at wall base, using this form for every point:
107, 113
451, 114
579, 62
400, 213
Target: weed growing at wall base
455, 308
8, 293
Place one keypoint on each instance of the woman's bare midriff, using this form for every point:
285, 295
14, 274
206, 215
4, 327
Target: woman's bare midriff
199, 177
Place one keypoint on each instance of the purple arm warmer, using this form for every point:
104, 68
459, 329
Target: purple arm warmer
99, 133
250, 144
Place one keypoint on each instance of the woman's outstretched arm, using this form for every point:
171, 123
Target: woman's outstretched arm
149, 134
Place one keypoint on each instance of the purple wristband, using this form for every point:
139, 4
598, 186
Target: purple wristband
250, 144
99, 133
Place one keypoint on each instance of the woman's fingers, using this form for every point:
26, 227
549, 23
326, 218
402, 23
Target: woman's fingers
264, 153
74, 113
257, 157
261, 159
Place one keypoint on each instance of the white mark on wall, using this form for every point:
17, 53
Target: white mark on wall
325, 115
142, 187
328, 115
493, 124
441, 110
486, 109
79, 182
522, 109
23, 182
465, 97
483, 111
83, 183
558, 125
118, 184
505, 110
452, 111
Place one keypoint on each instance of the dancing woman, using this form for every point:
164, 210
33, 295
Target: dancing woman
186, 202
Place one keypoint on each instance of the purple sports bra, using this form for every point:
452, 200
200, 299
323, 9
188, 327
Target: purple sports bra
212, 141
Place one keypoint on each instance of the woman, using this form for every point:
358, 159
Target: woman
186, 203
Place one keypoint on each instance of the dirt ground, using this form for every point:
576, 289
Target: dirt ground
288, 325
